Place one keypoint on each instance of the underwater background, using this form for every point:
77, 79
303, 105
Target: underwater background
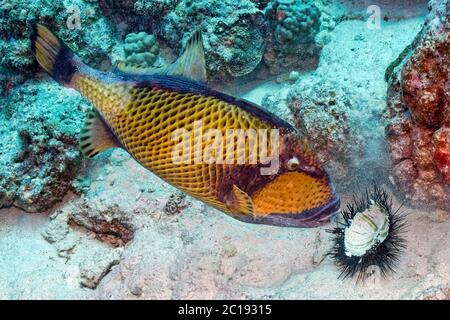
366, 81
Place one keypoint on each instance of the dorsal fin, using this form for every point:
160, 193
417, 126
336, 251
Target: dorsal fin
96, 136
190, 64
240, 202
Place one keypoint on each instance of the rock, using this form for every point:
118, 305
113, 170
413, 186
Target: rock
277, 104
146, 267
136, 15
57, 228
8, 80
110, 224
233, 32
294, 75
93, 270
322, 110
440, 292
40, 156
112, 214
418, 101
441, 146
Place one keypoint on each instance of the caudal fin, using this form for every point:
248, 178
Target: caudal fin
54, 55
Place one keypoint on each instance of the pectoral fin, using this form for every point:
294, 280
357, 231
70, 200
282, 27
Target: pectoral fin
190, 64
96, 136
240, 202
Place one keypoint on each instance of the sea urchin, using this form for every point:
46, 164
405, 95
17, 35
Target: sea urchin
370, 234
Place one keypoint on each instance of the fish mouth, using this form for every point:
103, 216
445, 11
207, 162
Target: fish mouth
311, 218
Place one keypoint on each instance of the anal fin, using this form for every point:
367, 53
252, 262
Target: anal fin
240, 202
96, 136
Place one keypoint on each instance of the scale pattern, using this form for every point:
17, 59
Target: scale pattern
144, 120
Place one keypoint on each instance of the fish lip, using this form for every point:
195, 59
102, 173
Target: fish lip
308, 219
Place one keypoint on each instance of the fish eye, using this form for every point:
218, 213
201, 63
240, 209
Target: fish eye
293, 163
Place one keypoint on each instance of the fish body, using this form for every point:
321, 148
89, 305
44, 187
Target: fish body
176, 126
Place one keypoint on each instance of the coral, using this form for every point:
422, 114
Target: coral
293, 26
261, 4
39, 155
154, 9
92, 39
417, 135
141, 49
175, 204
234, 31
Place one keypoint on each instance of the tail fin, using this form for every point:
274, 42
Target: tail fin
54, 55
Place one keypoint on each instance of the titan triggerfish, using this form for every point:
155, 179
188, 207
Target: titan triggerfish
166, 119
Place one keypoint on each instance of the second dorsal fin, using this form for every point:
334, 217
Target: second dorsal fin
190, 64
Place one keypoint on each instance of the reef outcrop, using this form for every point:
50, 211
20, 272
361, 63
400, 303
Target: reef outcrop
418, 133
322, 110
39, 152
240, 37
